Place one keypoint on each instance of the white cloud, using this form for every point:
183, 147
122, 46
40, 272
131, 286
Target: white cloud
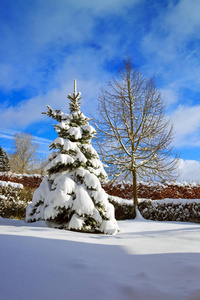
171, 45
48, 47
29, 111
23, 115
186, 122
183, 18
35, 47
172, 28
170, 95
52, 43
7, 72
189, 170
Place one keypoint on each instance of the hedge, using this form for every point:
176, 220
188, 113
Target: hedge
160, 210
13, 203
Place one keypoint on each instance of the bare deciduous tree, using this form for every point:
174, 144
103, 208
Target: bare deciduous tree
23, 157
134, 132
40, 167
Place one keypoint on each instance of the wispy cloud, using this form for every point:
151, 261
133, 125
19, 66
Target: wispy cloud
171, 50
44, 34
7, 135
29, 111
186, 122
171, 47
170, 94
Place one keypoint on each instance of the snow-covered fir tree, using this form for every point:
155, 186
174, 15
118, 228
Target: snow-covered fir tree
4, 161
71, 195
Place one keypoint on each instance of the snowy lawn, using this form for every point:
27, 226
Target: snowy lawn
147, 260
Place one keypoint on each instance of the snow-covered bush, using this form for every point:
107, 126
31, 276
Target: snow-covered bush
71, 195
13, 200
12, 209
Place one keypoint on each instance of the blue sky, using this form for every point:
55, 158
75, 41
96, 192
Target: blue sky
46, 44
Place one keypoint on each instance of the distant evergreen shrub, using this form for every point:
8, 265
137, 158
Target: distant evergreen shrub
4, 161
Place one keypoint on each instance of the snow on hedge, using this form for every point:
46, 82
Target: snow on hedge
153, 202
171, 201
11, 174
157, 183
12, 184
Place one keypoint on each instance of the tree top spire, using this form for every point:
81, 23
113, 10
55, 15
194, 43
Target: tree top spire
74, 104
75, 92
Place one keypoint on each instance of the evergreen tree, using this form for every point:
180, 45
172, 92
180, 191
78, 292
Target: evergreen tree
4, 161
71, 195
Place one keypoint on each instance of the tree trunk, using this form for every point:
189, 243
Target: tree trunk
135, 196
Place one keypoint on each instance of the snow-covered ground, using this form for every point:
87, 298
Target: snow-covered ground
147, 260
